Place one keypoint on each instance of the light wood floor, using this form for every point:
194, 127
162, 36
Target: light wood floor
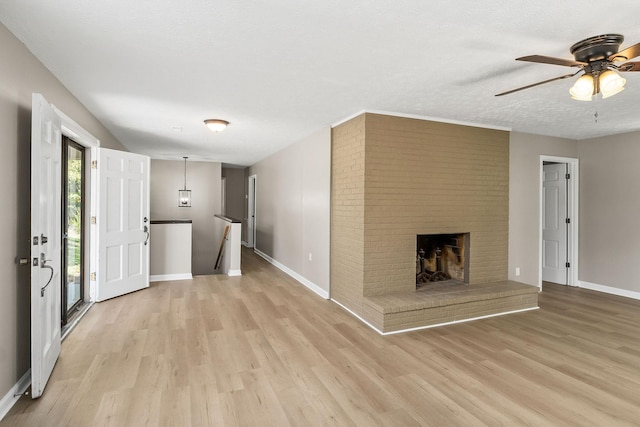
262, 350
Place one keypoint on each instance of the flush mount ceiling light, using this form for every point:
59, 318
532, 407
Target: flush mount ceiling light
216, 125
598, 59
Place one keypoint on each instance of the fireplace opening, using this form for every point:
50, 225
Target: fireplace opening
442, 257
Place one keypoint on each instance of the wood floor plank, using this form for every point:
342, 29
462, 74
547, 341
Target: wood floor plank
261, 349
175, 407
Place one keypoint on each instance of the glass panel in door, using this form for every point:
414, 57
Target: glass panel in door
73, 289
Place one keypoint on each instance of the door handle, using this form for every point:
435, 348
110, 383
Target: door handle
146, 230
43, 264
48, 281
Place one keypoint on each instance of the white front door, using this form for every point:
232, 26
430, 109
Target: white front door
123, 223
46, 246
554, 226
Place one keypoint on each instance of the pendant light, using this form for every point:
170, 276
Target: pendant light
184, 195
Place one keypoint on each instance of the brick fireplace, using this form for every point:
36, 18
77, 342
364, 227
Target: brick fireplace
395, 178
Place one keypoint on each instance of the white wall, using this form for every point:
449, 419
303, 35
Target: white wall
524, 199
293, 207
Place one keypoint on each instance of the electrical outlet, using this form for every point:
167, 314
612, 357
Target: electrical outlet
517, 271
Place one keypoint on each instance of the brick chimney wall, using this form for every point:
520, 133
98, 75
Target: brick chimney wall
394, 178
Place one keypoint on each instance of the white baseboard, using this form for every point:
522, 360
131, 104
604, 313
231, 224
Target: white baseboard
609, 290
353, 313
167, 277
309, 284
234, 273
453, 322
245, 244
13, 395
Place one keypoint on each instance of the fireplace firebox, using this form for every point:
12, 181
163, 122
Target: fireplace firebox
442, 257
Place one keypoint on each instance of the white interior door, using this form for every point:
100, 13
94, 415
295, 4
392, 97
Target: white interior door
123, 223
554, 226
46, 246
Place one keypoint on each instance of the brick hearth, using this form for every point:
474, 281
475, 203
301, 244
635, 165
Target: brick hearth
447, 302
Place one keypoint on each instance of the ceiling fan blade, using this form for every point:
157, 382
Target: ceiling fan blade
538, 84
629, 66
626, 54
551, 60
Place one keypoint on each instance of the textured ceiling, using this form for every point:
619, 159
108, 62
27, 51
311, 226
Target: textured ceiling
281, 70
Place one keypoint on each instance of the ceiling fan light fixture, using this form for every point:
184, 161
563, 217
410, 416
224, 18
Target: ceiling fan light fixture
582, 89
611, 83
216, 125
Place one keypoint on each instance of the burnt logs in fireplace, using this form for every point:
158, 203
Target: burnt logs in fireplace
440, 257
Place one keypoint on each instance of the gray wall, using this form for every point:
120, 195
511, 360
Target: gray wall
610, 211
203, 179
524, 199
292, 207
21, 74
235, 192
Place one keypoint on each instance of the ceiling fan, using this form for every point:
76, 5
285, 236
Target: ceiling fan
596, 58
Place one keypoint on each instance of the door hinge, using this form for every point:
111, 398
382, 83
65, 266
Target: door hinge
94, 164
93, 276
567, 176
568, 220
93, 220
568, 265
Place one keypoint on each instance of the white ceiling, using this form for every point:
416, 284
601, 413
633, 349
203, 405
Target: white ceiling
281, 70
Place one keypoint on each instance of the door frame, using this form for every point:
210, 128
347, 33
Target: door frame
573, 167
91, 144
251, 210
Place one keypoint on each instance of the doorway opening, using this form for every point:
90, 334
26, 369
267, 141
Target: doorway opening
73, 228
558, 220
223, 196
